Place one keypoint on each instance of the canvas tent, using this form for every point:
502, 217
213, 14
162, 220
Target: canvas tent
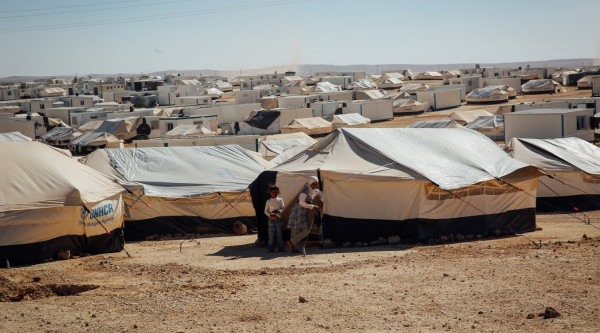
444, 123
89, 141
539, 86
14, 137
50, 202
414, 87
349, 120
380, 182
122, 128
59, 135
429, 76
573, 161
390, 83
194, 189
310, 126
326, 87
487, 95
585, 82
274, 145
404, 103
363, 84
465, 117
90, 126
490, 126
181, 131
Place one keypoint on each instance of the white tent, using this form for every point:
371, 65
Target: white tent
189, 130
490, 126
465, 117
274, 145
444, 123
188, 189
414, 87
487, 95
363, 84
573, 161
349, 120
310, 126
14, 136
539, 86
326, 87
50, 202
59, 135
429, 76
122, 128
390, 83
380, 182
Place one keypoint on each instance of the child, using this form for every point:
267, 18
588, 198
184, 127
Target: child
273, 209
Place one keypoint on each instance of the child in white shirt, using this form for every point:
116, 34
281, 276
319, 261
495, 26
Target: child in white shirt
273, 209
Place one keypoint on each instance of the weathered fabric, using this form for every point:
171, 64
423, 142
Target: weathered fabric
299, 215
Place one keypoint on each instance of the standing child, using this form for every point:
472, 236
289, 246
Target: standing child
273, 209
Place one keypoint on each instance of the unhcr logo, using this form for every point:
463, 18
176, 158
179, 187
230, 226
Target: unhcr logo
100, 211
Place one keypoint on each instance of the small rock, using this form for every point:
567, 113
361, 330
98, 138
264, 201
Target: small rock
346, 244
308, 318
152, 237
93, 315
443, 239
37, 279
551, 313
470, 236
496, 232
530, 316
460, 237
302, 299
263, 272
135, 326
446, 275
239, 228
64, 254
584, 236
377, 242
394, 240
327, 244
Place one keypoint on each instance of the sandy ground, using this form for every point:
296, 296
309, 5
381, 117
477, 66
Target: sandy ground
226, 284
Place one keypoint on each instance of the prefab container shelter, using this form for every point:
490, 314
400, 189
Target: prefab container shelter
574, 164
440, 99
549, 123
360, 166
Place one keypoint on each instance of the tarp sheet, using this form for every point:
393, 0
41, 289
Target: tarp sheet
495, 121
350, 119
262, 119
58, 133
94, 139
13, 136
279, 146
445, 123
181, 172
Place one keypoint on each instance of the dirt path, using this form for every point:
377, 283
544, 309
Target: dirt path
226, 284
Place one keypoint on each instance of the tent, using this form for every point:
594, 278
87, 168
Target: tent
14, 137
380, 182
50, 202
465, 117
444, 123
310, 126
90, 126
326, 87
213, 92
429, 76
194, 189
395, 75
487, 95
221, 86
539, 86
490, 126
390, 83
349, 120
573, 161
363, 84
189, 130
414, 87
59, 135
585, 82
89, 141
274, 145
122, 128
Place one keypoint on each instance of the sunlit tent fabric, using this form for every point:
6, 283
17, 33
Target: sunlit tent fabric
13, 136
490, 126
90, 126
311, 126
189, 189
429, 76
465, 117
363, 84
96, 139
279, 146
326, 87
390, 83
486, 95
349, 120
44, 195
414, 87
571, 160
380, 182
58, 134
189, 130
444, 123
123, 128
539, 86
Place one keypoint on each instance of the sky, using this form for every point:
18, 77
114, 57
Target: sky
70, 37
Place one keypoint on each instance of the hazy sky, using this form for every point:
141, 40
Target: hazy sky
40, 37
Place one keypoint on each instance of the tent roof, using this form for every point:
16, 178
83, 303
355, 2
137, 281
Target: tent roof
444, 123
326, 87
279, 146
486, 92
189, 130
310, 123
38, 176
14, 137
350, 119
58, 133
94, 139
494, 121
468, 116
180, 172
451, 158
563, 154
91, 125
128, 124
532, 84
